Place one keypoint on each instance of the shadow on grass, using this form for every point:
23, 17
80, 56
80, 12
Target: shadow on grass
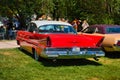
64, 62
113, 55
68, 62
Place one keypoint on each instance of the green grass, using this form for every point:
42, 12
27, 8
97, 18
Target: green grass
19, 65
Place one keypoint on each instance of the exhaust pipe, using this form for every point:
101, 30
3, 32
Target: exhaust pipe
95, 58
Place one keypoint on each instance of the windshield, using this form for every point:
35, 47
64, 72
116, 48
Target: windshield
113, 30
56, 29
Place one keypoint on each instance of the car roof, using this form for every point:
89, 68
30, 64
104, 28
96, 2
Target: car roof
40, 23
105, 25
102, 27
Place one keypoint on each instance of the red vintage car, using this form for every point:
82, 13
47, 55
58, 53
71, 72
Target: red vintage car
58, 40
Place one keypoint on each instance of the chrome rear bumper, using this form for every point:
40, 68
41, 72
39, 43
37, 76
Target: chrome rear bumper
71, 53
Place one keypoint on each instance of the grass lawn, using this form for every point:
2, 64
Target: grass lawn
18, 65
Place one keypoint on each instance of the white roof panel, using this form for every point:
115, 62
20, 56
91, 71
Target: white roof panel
40, 23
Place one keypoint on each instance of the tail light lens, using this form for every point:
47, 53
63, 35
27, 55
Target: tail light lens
118, 43
48, 42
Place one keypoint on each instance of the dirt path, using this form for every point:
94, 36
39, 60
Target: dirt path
8, 44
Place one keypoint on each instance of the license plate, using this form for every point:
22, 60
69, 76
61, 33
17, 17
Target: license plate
75, 49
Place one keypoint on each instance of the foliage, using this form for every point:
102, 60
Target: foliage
95, 11
19, 65
108, 20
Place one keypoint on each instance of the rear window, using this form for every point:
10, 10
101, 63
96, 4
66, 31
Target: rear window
56, 29
112, 30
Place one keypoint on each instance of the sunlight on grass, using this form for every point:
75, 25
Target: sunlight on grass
19, 65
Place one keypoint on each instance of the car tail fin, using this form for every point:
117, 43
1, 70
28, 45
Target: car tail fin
100, 42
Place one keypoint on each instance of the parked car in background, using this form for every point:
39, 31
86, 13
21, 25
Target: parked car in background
111, 42
1, 24
58, 40
2, 31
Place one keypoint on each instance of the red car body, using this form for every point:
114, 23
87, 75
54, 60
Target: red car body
58, 44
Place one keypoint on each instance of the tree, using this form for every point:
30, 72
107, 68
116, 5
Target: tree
95, 11
24, 9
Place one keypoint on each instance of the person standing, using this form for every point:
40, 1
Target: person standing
9, 30
74, 24
85, 24
2, 32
